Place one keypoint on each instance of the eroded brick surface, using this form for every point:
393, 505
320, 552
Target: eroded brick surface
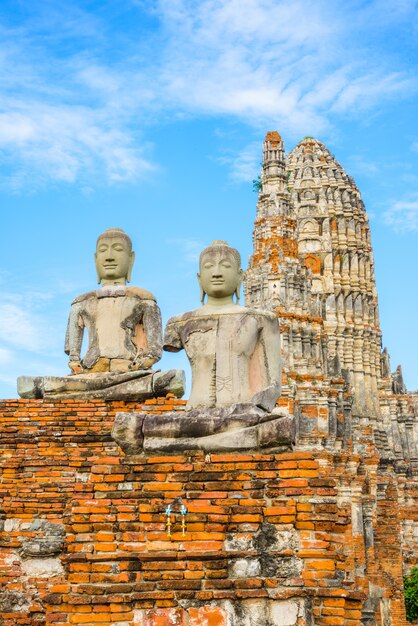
316, 527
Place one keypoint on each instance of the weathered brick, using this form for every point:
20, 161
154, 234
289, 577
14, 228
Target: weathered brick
123, 568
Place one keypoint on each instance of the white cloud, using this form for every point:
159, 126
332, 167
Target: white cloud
65, 116
64, 142
245, 165
362, 92
19, 327
402, 216
188, 250
5, 356
361, 165
27, 321
77, 94
32, 328
265, 60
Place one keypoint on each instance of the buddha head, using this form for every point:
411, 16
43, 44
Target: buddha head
114, 257
220, 274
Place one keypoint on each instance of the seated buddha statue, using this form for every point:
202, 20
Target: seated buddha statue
124, 337
234, 353
123, 323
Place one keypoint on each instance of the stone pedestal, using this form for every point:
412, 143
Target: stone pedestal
238, 427
135, 385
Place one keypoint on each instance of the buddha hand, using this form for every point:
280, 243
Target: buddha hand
75, 367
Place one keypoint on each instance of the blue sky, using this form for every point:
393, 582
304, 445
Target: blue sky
150, 116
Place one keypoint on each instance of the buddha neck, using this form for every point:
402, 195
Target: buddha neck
219, 305
110, 282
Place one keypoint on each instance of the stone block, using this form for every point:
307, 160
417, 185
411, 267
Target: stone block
271, 539
262, 612
42, 567
49, 540
244, 568
13, 601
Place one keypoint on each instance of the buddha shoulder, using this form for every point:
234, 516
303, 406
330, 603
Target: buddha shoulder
89, 295
129, 292
185, 317
138, 292
263, 313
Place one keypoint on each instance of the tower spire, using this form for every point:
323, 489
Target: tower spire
275, 279
273, 157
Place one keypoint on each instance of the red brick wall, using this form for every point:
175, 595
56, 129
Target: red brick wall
267, 534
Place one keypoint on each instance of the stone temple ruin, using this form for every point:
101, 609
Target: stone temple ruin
284, 493
313, 265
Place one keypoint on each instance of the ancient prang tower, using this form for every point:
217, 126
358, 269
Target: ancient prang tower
313, 265
119, 506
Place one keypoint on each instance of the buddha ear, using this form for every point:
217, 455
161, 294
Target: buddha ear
99, 280
131, 262
202, 292
238, 289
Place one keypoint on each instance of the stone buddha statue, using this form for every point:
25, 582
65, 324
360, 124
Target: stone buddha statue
234, 352
124, 337
123, 323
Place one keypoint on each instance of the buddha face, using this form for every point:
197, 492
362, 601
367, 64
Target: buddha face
114, 260
220, 275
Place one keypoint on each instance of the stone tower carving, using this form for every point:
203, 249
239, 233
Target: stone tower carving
312, 264
276, 279
334, 242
